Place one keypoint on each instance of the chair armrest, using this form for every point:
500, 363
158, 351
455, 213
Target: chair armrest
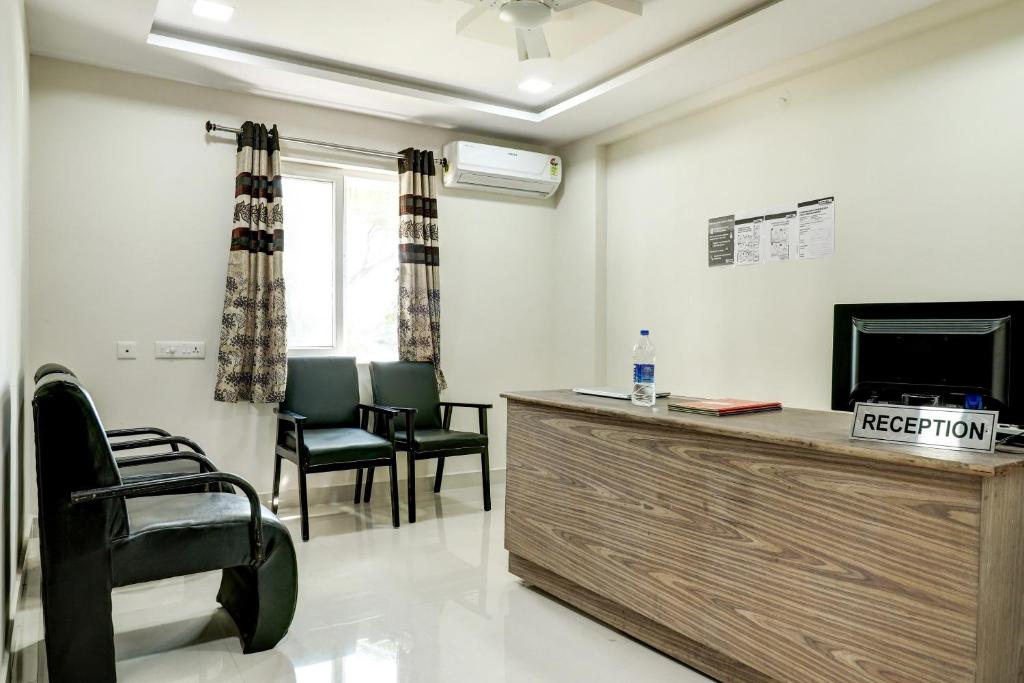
158, 441
289, 416
146, 488
384, 413
137, 431
134, 460
140, 431
410, 420
481, 408
401, 409
409, 413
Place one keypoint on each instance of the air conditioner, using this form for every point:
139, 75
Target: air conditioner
473, 166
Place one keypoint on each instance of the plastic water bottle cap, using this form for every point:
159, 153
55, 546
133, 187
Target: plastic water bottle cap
644, 333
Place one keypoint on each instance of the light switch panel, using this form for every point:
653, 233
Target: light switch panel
127, 350
177, 349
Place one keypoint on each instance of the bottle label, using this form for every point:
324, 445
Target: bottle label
643, 373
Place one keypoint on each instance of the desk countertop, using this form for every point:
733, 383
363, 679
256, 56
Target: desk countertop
823, 431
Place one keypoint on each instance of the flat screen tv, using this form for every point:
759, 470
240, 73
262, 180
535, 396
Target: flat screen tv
957, 354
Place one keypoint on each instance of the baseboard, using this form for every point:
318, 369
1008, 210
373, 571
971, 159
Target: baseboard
17, 588
343, 493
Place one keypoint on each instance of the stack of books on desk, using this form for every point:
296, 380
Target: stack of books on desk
722, 406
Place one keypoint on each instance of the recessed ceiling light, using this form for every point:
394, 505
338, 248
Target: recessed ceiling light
534, 85
212, 10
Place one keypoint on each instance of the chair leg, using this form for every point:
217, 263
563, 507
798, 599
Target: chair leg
359, 487
261, 600
369, 484
277, 483
438, 475
485, 471
412, 485
393, 474
303, 506
77, 617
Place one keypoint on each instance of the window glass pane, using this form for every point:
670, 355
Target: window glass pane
370, 324
309, 261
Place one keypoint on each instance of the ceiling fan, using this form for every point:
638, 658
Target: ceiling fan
528, 17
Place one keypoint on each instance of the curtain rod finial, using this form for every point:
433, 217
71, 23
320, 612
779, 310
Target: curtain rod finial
209, 127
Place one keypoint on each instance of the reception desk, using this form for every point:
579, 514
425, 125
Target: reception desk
770, 547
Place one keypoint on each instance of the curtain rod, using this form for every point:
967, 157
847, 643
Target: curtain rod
214, 127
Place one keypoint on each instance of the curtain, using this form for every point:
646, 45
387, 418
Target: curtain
419, 284
252, 362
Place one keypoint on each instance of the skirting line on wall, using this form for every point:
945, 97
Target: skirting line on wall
343, 493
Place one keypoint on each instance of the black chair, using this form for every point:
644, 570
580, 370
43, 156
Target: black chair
97, 532
322, 427
151, 465
57, 369
420, 429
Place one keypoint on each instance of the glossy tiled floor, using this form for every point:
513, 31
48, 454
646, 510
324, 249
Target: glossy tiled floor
431, 601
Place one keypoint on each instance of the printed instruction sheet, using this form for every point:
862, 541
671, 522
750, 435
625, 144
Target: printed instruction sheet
748, 240
782, 230
817, 231
786, 232
721, 247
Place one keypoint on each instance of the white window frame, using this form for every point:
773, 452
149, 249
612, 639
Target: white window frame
308, 169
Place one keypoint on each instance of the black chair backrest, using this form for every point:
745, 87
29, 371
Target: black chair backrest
73, 454
325, 390
408, 384
51, 369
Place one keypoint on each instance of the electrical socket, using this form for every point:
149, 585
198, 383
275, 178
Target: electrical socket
127, 350
172, 349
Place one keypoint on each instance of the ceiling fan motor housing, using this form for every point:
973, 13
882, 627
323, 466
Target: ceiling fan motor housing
525, 13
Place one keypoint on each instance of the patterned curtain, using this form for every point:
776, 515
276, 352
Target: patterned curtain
252, 363
419, 283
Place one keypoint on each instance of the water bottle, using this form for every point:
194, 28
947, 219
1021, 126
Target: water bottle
643, 371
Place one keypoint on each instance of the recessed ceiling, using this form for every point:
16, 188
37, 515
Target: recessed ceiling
405, 59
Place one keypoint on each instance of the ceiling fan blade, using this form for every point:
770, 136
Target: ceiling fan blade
469, 17
531, 44
631, 6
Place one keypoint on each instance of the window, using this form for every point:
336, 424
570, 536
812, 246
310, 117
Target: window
341, 262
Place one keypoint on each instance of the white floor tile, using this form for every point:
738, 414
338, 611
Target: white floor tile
428, 602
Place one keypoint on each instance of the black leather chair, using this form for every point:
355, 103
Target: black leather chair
151, 465
421, 430
172, 440
322, 427
97, 532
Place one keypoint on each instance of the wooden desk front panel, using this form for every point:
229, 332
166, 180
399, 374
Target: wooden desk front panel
803, 567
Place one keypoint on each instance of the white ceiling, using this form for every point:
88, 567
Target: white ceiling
403, 58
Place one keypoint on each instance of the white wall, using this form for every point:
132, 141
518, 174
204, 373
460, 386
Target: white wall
13, 222
921, 142
579, 295
131, 216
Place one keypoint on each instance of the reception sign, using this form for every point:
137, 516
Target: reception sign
964, 430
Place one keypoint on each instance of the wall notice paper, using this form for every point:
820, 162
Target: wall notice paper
720, 241
781, 229
748, 240
817, 228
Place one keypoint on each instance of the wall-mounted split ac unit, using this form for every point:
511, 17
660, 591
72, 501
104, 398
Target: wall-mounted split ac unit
473, 166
